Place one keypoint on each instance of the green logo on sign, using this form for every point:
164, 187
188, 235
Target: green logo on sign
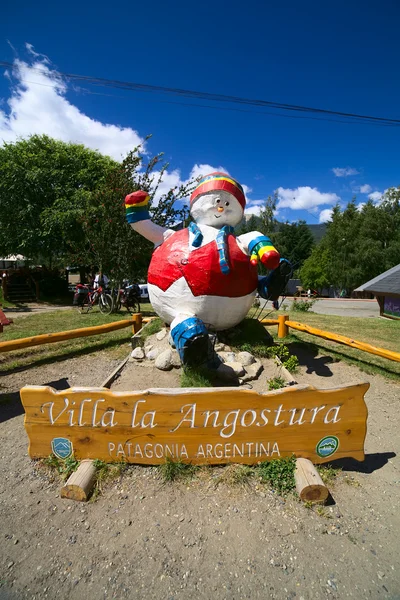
327, 446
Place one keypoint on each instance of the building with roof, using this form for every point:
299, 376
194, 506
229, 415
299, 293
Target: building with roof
386, 288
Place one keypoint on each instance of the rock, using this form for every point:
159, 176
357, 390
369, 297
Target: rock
226, 373
161, 334
228, 356
148, 347
164, 360
237, 367
219, 347
175, 360
152, 354
253, 371
246, 358
137, 353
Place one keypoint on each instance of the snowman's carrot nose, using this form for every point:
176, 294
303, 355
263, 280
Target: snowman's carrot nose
220, 209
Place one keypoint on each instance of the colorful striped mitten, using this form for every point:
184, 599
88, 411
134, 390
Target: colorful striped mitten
137, 207
261, 248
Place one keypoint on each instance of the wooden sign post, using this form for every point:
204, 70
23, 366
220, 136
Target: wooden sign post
201, 426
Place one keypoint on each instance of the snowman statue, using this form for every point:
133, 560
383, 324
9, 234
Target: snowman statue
205, 277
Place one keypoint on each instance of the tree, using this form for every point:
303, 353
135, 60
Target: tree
36, 175
294, 242
107, 240
314, 273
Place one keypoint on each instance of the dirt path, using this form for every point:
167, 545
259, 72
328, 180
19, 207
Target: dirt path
142, 539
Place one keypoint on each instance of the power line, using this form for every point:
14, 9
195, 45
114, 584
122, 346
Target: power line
132, 86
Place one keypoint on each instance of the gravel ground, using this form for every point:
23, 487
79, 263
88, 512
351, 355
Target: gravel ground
200, 539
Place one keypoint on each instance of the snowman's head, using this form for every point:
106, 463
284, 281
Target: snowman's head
217, 200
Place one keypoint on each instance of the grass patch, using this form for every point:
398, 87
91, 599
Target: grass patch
105, 474
151, 328
328, 473
197, 378
176, 470
235, 475
5, 303
278, 474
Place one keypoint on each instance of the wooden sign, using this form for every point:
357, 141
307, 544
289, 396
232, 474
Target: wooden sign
201, 426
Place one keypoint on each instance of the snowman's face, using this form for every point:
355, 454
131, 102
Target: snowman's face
217, 209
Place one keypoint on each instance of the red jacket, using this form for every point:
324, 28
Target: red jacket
201, 269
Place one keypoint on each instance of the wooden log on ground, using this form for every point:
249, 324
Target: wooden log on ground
309, 484
79, 485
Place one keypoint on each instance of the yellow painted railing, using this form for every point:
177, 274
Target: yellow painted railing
49, 338
283, 329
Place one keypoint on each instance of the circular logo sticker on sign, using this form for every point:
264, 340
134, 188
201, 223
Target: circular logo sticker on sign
327, 446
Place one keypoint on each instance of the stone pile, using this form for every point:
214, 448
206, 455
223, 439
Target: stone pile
157, 351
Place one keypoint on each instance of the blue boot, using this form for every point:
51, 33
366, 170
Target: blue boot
191, 340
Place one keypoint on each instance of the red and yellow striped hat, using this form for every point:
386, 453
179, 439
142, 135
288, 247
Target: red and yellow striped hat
219, 181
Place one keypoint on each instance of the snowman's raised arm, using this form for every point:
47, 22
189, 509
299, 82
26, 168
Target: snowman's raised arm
138, 216
260, 247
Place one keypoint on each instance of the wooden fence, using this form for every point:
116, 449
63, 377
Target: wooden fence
283, 329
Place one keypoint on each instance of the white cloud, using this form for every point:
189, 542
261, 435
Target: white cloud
204, 169
38, 105
345, 171
325, 215
365, 189
375, 196
304, 198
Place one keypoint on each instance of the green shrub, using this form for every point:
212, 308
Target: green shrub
291, 364
276, 383
279, 474
302, 305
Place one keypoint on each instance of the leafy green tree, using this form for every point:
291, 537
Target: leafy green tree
294, 242
36, 175
314, 273
108, 242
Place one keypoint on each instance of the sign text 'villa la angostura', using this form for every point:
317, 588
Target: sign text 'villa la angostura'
201, 426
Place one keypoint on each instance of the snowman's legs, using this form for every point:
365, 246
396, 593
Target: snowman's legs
190, 337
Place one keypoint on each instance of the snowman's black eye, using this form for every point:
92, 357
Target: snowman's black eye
226, 203
218, 201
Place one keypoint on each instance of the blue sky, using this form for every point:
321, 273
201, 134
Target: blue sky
340, 56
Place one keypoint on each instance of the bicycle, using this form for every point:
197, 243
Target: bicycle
85, 299
129, 297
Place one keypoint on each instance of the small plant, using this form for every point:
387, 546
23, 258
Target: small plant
284, 307
276, 383
235, 475
106, 472
328, 473
173, 470
279, 474
280, 350
291, 364
302, 305
63, 467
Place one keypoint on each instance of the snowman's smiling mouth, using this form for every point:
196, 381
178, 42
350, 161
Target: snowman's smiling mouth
217, 216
